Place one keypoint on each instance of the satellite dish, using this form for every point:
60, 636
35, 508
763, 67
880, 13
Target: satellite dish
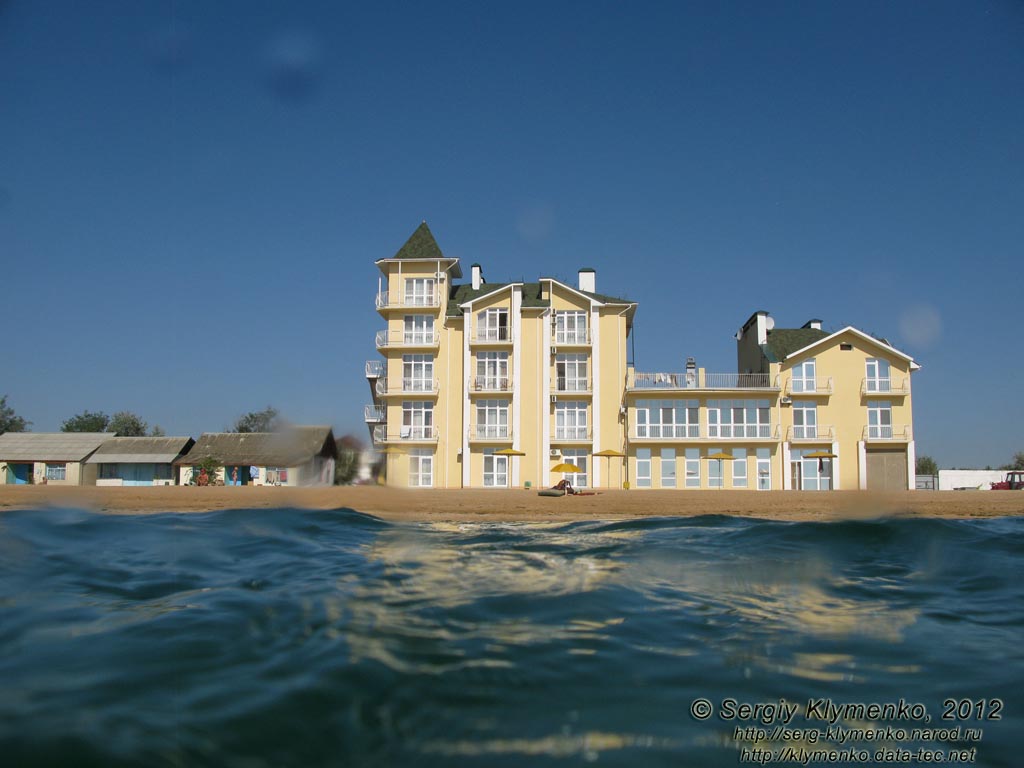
769, 322
739, 335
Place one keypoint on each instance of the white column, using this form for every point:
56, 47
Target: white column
545, 401
787, 474
835, 466
467, 328
911, 466
595, 403
517, 378
862, 468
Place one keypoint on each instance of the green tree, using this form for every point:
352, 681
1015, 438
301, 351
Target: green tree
157, 431
86, 421
9, 420
127, 424
349, 451
1018, 461
258, 421
926, 465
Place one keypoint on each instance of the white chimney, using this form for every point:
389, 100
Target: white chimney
477, 276
588, 280
815, 324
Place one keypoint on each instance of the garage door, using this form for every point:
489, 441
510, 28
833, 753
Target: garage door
887, 470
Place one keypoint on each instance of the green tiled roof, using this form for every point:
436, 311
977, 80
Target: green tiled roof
460, 294
420, 245
785, 341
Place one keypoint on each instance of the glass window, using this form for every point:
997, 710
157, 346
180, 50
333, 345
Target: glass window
417, 373
715, 469
804, 376
805, 421
421, 468
571, 420
739, 418
570, 328
878, 379
419, 329
56, 471
495, 470
491, 371
879, 419
810, 474
492, 419
672, 419
764, 469
571, 373
739, 467
420, 292
668, 467
578, 457
643, 468
417, 420
492, 325
693, 468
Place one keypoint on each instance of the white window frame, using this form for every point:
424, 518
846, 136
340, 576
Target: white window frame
764, 469
417, 373
492, 370
716, 469
492, 419
643, 467
420, 292
878, 375
880, 419
739, 467
571, 420
58, 471
581, 458
692, 468
421, 468
668, 467
810, 477
571, 372
493, 324
495, 470
671, 419
419, 329
804, 377
417, 420
739, 419
570, 327
805, 420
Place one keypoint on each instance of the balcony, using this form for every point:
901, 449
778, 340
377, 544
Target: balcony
375, 369
808, 386
745, 432
407, 301
811, 434
375, 414
498, 336
572, 435
393, 339
666, 432
423, 434
490, 433
701, 380
488, 384
885, 433
889, 387
420, 387
570, 337
562, 385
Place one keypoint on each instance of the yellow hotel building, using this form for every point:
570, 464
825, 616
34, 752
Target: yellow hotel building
489, 385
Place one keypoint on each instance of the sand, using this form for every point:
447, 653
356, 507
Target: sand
520, 505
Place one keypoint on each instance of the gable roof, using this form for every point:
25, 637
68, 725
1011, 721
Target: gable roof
532, 295
881, 343
141, 450
50, 446
288, 448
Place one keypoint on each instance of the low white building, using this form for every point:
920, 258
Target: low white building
134, 461
50, 458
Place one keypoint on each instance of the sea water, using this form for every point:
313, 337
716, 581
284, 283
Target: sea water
298, 638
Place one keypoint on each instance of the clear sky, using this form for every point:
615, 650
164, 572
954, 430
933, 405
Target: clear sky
192, 194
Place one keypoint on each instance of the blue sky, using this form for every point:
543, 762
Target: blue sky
192, 194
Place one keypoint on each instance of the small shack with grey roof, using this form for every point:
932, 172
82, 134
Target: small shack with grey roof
56, 458
294, 456
139, 460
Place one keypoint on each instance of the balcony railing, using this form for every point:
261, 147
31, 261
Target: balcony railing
490, 432
386, 301
886, 432
871, 386
490, 384
407, 339
576, 337
743, 431
695, 380
404, 434
666, 431
487, 335
413, 386
814, 433
808, 386
563, 385
374, 413
375, 369
572, 434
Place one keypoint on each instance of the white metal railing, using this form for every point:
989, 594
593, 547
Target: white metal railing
738, 381
809, 386
886, 386
407, 339
487, 335
887, 432
374, 412
666, 431
381, 386
564, 384
695, 380
402, 433
386, 301
419, 385
490, 384
743, 431
570, 337
565, 434
490, 432
665, 380
816, 432
375, 369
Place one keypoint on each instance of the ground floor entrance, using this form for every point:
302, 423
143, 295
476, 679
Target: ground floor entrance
887, 470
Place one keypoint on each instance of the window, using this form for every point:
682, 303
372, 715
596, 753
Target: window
571, 373
419, 329
492, 325
579, 458
491, 371
739, 418
877, 376
693, 467
643, 467
277, 476
810, 474
570, 328
56, 471
495, 470
805, 421
417, 420
667, 418
879, 419
739, 467
715, 468
764, 469
421, 468
417, 373
420, 292
570, 420
492, 419
804, 377
668, 467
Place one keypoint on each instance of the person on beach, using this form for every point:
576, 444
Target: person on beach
564, 485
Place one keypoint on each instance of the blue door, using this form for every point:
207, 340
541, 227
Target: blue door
22, 473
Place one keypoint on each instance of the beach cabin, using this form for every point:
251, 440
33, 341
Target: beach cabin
49, 458
134, 461
297, 456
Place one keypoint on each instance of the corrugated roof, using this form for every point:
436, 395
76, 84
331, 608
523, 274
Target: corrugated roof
288, 448
50, 446
141, 450
783, 341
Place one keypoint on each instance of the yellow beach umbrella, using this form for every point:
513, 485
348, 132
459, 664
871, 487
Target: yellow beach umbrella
820, 456
565, 467
720, 455
609, 454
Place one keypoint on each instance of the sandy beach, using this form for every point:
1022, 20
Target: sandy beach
520, 505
